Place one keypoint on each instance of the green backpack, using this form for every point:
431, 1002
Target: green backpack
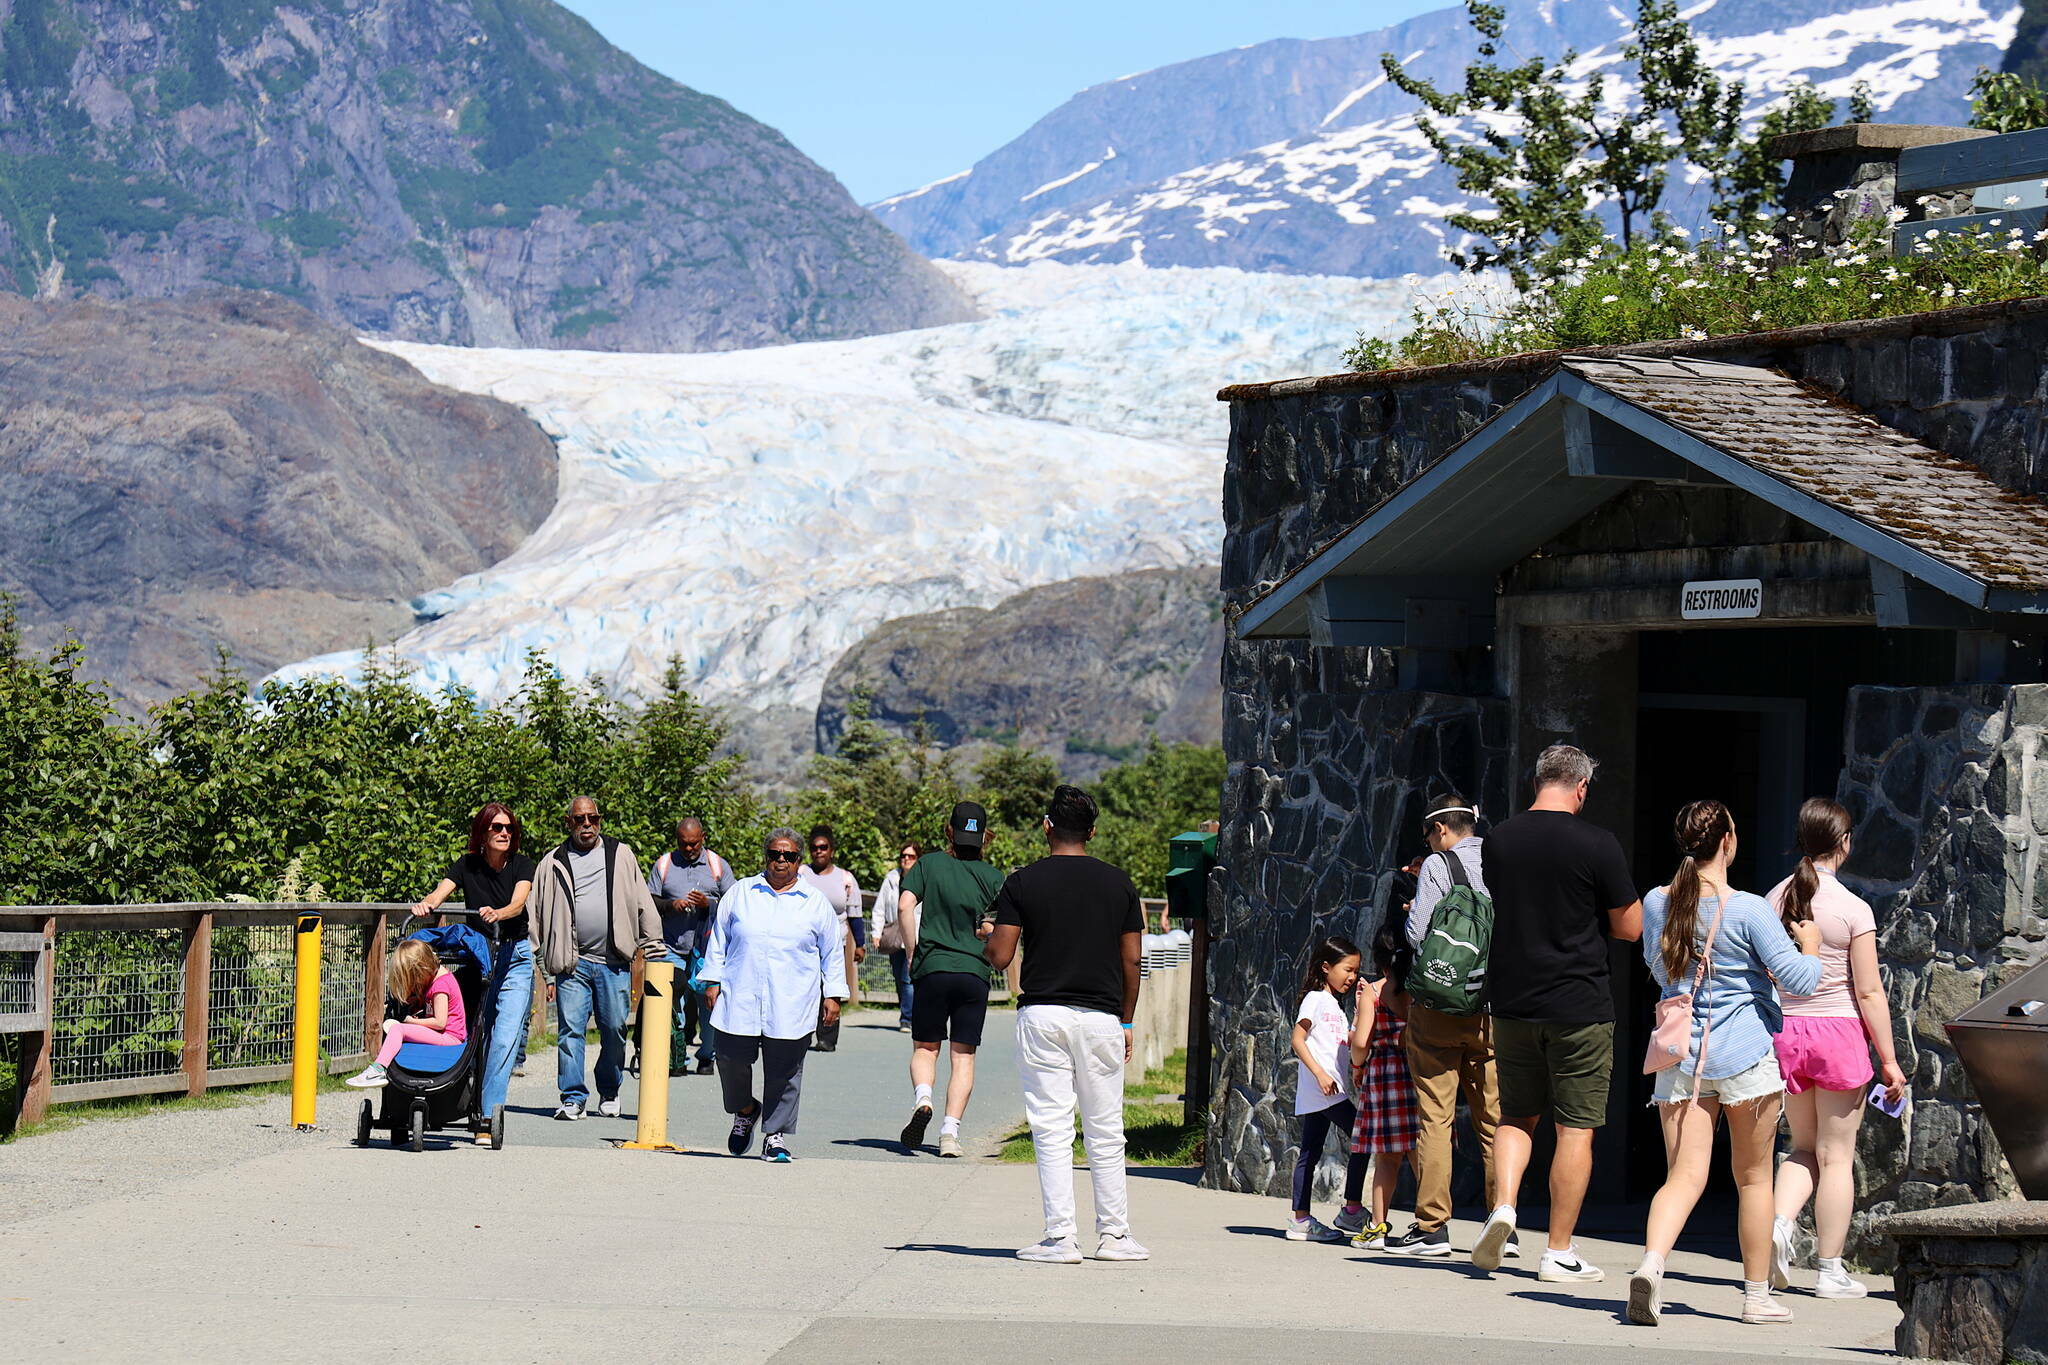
1449, 974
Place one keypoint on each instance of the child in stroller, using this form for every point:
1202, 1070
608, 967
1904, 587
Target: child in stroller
416, 979
434, 1085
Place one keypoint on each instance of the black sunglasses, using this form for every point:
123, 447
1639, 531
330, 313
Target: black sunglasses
784, 855
499, 827
586, 819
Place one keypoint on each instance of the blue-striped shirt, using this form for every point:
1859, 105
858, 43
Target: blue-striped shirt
1751, 948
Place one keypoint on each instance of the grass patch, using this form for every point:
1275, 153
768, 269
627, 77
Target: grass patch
64, 1117
1155, 1133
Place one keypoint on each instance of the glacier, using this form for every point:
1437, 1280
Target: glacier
756, 513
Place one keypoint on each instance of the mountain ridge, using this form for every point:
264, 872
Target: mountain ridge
459, 171
1276, 156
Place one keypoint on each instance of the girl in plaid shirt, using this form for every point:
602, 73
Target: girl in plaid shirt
1387, 1117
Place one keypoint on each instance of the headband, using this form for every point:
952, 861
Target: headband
1472, 811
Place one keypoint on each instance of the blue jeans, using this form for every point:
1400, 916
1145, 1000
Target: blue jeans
608, 988
508, 1000
899, 967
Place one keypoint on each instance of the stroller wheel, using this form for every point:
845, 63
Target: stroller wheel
363, 1125
498, 1128
418, 1126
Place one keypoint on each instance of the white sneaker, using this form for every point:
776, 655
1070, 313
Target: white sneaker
1052, 1251
1838, 1285
1645, 1298
1566, 1267
1762, 1308
608, 1108
1309, 1230
1781, 1253
1351, 1221
1124, 1248
1493, 1237
370, 1077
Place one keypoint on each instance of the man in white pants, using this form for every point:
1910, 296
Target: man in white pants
1080, 924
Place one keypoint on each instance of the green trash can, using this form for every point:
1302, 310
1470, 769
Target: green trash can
1189, 858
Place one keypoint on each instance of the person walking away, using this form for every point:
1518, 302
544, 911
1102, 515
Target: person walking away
1824, 1050
1387, 1123
686, 884
495, 879
590, 915
1322, 1090
943, 907
1449, 1037
416, 979
1078, 921
889, 929
1724, 948
842, 892
1560, 889
773, 970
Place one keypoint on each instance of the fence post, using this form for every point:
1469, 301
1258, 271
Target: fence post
306, 1021
32, 1081
373, 982
198, 1000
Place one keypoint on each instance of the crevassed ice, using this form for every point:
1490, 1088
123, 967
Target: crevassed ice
758, 512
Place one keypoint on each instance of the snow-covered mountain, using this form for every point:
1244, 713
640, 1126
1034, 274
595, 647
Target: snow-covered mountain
759, 512
1299, 156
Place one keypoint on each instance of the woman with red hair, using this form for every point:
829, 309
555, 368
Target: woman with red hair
494, 878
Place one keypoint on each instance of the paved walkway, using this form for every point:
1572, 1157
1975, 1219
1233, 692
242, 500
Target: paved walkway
221, 1234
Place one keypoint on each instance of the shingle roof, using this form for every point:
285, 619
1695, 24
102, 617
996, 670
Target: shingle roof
1841, 456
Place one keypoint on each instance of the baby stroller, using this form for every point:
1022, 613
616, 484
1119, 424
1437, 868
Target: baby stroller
425, 1091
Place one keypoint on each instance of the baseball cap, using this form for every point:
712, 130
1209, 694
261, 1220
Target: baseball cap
970, 824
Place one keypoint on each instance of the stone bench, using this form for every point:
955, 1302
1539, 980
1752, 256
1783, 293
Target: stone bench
1972, 1281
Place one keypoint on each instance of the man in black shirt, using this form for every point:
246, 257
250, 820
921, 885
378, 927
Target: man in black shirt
1080, 925
1561, 889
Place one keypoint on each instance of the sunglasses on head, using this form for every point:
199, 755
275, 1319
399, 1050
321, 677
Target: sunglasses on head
784, 855
592, 819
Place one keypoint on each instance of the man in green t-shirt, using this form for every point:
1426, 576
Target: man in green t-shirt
944, 908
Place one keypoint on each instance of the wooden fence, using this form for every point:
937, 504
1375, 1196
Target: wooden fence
2018, 159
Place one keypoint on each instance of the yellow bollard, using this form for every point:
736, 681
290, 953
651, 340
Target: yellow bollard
657, 1007
306, 1023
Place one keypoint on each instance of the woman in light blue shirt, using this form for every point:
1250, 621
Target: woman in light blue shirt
774, 955
1730, 1066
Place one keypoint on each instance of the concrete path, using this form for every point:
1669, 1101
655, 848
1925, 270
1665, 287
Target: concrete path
240, 1240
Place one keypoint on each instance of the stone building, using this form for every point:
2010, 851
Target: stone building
1759, 568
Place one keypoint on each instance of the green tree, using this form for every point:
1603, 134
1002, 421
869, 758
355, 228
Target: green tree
1546, 148
1169, 790
2007, 102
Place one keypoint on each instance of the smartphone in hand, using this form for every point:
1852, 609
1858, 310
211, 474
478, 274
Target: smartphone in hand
1883, 1105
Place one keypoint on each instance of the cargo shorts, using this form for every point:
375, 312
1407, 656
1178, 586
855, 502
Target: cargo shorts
1554, 1071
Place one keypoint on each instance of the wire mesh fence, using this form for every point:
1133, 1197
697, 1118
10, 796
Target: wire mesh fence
18, 969
119, 1009
341, 992
249, 1018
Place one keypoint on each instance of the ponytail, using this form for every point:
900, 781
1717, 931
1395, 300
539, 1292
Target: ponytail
1824, 827
1698, 832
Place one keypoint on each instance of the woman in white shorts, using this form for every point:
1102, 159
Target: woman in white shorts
1725, 947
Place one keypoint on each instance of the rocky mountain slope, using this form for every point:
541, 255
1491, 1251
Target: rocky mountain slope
759, 513
477, 172
226, 469
1087, 670
1299, 156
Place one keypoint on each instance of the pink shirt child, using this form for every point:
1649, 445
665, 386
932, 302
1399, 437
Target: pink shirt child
458, 1022
397, 1034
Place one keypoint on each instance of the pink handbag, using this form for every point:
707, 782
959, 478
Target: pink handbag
1671, 1035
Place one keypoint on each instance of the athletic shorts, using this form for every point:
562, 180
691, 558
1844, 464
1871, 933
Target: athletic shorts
1830, 1053
1554, 1071
949, 1005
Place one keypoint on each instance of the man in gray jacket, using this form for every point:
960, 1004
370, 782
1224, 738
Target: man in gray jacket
590, 913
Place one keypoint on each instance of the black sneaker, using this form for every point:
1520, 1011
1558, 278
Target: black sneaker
1416, 1242
703, 1068
742, 1132
913, 1131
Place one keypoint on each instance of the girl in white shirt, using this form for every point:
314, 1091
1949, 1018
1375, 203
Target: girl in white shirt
1321, 1041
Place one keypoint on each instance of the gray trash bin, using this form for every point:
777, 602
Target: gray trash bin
2003, 1043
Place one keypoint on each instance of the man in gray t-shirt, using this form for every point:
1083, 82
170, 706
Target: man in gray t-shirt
593, 910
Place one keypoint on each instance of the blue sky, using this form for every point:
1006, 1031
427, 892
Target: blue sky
892, 95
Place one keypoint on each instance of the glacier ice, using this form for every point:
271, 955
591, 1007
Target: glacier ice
758, 512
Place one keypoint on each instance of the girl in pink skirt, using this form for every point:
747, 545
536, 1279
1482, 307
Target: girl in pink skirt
1388, 1119
1824, 1050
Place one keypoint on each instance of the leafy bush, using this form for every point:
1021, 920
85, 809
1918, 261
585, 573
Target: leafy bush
2006, 102
1724, 285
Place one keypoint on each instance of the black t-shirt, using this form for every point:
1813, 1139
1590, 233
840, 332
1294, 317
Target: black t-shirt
1074, 912
479, 884
1553, 878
